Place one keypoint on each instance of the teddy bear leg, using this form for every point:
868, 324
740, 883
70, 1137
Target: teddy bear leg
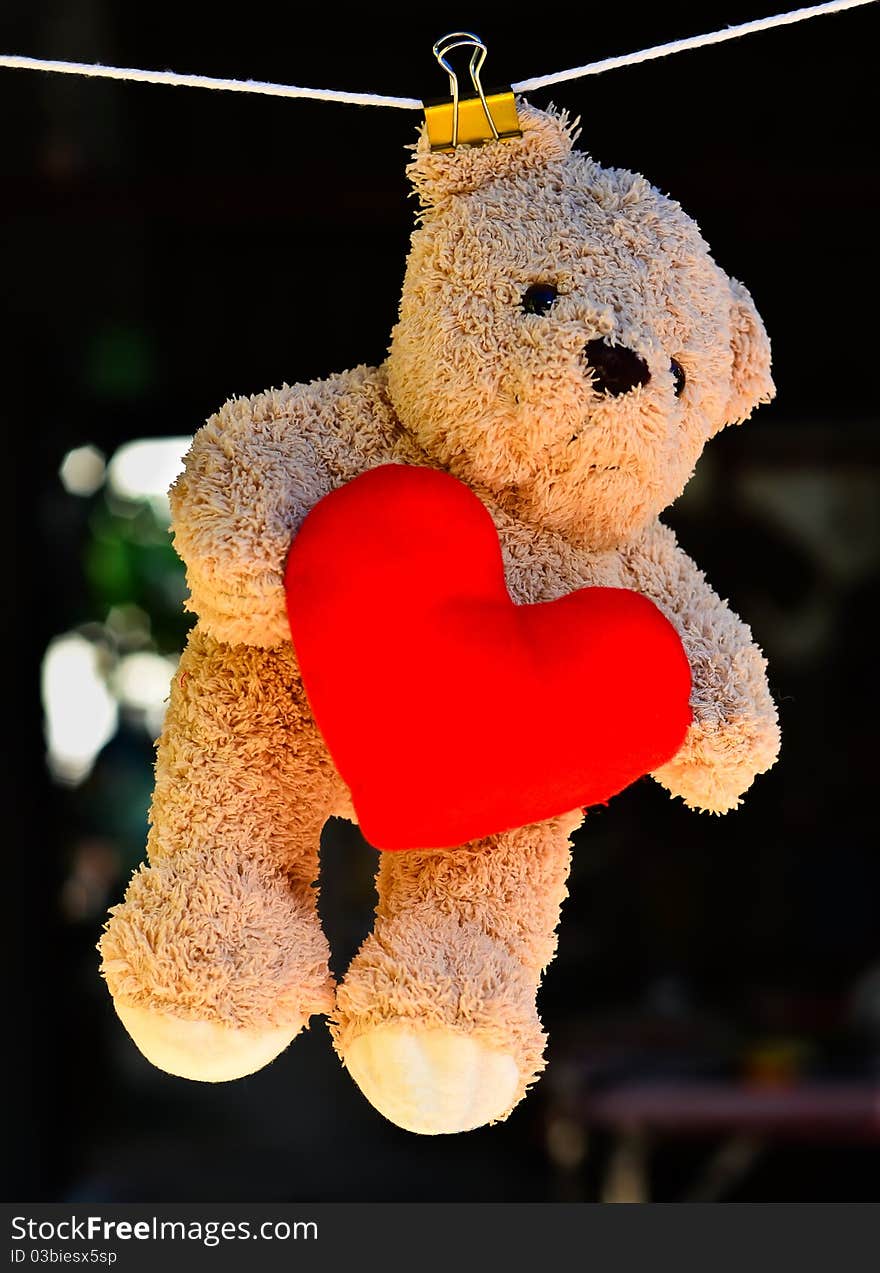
216, 958
436, 1018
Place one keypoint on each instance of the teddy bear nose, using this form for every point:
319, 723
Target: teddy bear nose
614, 368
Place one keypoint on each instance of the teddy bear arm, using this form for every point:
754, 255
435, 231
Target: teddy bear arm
734, 735
216, 958
252, 473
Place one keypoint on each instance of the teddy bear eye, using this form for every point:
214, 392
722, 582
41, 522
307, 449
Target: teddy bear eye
679, 379
538, 298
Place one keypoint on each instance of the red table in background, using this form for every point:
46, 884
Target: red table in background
745, 1116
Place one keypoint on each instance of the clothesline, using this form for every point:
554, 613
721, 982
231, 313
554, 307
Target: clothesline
97, 71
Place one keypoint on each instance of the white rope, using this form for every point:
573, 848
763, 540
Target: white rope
203, 81
692, 42
16, 62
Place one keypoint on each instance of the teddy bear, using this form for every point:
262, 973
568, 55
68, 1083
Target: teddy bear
566, 346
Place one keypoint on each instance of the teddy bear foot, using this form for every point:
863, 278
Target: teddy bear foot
436, 1023
215, 961
206, 1051
433, 1080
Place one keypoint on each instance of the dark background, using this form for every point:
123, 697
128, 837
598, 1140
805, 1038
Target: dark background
167, 248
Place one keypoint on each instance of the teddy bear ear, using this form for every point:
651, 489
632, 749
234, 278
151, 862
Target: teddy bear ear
751, 382
547, 138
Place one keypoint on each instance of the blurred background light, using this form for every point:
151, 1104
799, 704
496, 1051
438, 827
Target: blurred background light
82, 470
141, 682
144, 469
128, 623
80, 712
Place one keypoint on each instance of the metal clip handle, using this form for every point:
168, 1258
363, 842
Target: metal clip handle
442, 49
475, 119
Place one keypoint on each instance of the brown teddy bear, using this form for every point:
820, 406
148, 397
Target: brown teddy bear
566, 346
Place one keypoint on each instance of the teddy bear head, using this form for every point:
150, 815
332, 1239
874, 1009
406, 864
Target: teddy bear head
566, 342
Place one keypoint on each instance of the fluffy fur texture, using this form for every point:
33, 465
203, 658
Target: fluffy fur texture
221, 927
461, 940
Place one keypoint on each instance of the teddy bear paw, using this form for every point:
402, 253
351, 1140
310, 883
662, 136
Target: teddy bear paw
433, 1080
207, 1051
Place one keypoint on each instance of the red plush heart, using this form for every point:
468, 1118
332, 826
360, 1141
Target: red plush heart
452, 713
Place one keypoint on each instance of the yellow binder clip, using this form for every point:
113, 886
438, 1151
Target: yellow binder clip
475, 120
